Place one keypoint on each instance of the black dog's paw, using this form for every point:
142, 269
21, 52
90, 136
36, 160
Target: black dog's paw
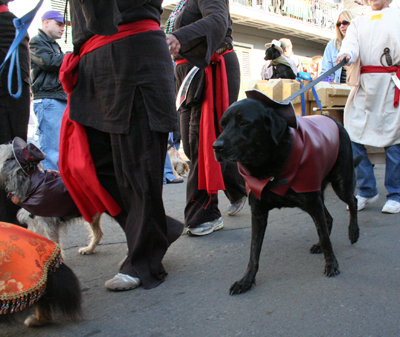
354, 235
332, 269
240, 287
316, 249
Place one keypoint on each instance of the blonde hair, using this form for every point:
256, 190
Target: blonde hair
316, 62
348, 16
367, 2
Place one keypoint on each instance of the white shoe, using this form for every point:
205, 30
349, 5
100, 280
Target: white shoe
391, 206
122, 282
206, 228
361, 201
237, 206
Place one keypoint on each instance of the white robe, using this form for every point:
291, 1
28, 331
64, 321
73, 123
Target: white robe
369, 116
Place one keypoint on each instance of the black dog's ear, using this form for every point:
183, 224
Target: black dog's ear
277, 125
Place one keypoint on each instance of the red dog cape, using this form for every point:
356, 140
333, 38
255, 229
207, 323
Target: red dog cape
314, 152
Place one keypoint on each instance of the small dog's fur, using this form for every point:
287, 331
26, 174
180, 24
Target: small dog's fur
14, 180
280, 70
179, 166
62, 298
260, 140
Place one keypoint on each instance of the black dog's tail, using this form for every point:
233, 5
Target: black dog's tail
357, 160
62, 297
63, 294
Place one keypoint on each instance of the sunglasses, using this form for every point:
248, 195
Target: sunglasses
344, 23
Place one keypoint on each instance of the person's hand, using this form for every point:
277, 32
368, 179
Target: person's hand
173, 44
342, 57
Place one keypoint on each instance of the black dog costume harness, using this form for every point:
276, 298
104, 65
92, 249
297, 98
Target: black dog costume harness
314, 152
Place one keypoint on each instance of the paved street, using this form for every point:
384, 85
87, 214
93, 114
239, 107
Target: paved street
292, 296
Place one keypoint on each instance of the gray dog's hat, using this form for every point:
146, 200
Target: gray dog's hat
28, 156
283, 109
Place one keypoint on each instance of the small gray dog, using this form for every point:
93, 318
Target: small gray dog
47, 207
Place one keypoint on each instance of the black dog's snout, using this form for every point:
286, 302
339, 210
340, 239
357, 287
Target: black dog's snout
218, 145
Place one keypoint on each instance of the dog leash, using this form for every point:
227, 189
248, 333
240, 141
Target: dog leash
306, 76
21, 28
316, 81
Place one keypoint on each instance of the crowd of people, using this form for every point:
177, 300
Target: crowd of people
121, 124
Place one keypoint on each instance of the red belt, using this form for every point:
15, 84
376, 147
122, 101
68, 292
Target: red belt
75, 161
4, 8
380, 69
210, 173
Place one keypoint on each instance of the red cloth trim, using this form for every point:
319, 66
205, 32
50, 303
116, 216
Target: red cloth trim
380, 69
4, 8
210, 173
181, 61
315, 150
75, 162
26, 154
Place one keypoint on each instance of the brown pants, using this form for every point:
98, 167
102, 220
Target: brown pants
200, 206
131, 167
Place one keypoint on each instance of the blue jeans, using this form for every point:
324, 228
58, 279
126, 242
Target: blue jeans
365, 173
168, 173
49, 114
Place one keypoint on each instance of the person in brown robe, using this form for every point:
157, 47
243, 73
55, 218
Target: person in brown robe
202, 29
127, 121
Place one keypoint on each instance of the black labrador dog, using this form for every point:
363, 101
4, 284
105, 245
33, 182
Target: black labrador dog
279, 70
260, 140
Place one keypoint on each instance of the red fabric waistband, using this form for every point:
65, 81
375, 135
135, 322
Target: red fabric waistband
380, 69
128, 29
181, 61
80, 176
4, 8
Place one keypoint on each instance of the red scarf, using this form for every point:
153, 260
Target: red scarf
4, 8
210, 173
380, 69
75, 162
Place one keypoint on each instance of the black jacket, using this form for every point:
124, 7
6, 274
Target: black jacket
108, 77
46, 60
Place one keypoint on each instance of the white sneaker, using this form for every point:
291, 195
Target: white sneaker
206, 228
237, 206
361, 201
391, 206
122, 282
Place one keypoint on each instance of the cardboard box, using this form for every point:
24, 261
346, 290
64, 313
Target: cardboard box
331, 95
278, 89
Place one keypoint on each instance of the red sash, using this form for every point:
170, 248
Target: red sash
75, 162
4, 8
380, 69
210, 173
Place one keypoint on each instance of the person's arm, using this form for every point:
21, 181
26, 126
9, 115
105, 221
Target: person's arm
350, 48
293, 65
44, 57
328, 60
199, 40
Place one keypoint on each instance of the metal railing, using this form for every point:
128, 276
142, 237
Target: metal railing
315, 12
